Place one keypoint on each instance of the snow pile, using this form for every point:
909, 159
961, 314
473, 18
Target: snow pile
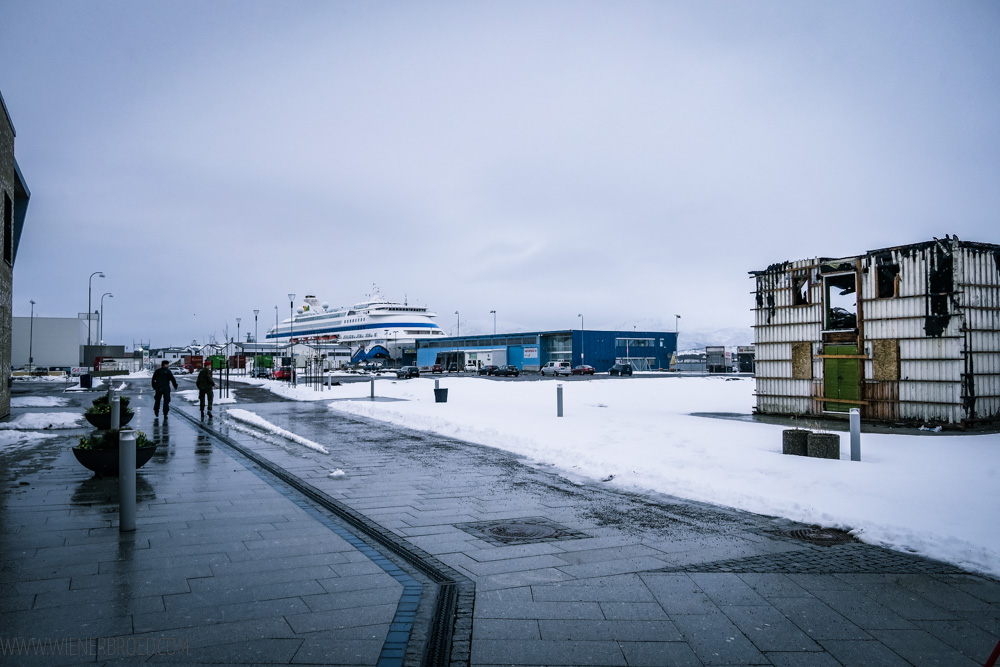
338, 473
259, 422
38, 402
11, 440
34, 421
933, 494
300, 392
191, 395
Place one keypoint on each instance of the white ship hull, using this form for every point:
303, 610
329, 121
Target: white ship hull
362, 326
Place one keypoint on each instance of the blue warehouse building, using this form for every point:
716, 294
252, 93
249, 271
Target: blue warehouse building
643, 350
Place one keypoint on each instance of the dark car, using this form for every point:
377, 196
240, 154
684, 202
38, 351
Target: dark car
283, 373
489, 370
261, 372
583, 369
621, 369
453, 367
408, 372
437, 368
507, 370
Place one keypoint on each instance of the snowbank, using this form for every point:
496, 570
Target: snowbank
932, 494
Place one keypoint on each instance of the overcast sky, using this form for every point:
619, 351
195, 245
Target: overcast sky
625, 160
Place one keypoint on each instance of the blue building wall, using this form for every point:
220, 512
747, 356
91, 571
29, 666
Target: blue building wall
647, 350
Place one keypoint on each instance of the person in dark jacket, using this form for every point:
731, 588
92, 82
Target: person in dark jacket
205, 386
162, 379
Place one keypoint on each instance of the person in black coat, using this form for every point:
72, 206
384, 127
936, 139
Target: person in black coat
162, 379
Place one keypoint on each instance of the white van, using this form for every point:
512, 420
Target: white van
556, 368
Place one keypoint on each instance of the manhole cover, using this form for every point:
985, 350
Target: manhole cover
521, 531
824, 537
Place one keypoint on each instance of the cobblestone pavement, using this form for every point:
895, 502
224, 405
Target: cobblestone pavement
253, 552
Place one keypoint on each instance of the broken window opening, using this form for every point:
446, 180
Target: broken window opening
887, 280
840, 292
800, 288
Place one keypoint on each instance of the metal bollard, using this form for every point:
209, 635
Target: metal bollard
116, 411
373, 387
559, 400
437, 384
126, 481
855, 434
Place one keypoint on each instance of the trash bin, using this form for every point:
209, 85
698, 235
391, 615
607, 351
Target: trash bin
441, 395
86, 381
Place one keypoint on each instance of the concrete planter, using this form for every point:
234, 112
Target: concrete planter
795, 441
824, 445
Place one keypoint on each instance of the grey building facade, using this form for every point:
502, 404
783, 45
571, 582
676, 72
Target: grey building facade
14, 197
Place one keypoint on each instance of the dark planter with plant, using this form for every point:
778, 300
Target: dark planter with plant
99, 414
99, 451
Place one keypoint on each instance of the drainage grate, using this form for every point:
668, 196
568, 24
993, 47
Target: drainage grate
519, 531
824, 537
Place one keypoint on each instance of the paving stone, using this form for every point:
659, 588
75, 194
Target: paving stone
862, 610
508, 629
605, 568
818, 620
963, 636
538, 610
678, 594
517, 579
309, 621
773, 585
659, 653
578, 654
620, 630
922, 648
338, 652
716, 641
859, 653
800, 659
359, 598
619, 588
727, 589
768, 629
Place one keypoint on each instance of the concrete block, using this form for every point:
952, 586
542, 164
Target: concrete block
795, 441
824, 445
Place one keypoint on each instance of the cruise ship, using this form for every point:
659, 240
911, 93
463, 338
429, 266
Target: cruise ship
375, 322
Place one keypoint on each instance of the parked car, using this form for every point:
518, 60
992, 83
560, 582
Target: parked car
283, 373
583, 369
507, 370
489, 370
437, 368
453, 367
621, 369
556, 368
261, 372
471, 367
408, 372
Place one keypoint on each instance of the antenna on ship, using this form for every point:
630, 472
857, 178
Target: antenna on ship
405, 302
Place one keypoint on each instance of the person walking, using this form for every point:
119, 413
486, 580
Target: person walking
205, 387
162, 379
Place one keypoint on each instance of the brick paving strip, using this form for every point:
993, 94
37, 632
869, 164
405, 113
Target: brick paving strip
251, 570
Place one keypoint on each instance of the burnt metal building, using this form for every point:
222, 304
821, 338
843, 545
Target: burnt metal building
910, 333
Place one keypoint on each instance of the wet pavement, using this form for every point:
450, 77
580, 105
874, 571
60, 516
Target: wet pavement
429, 550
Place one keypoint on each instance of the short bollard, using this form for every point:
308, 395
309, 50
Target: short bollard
559, 400
373, 387
437, 384
126, 481
855, 434
116, 411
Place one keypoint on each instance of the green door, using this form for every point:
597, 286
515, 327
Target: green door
840, 378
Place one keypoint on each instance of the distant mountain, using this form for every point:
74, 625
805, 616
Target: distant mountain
697, 339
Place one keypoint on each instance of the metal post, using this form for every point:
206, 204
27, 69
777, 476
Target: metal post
116, 411
31, 337
373, 387
126, 481
437, 384
559, 400
855, 434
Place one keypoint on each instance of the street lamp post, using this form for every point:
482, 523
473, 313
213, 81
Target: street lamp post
677, 321
580, 315
238, 340
291, 328
90, 282
100, 322
458, 334
494, 322
31, 337
275, 336
256, 343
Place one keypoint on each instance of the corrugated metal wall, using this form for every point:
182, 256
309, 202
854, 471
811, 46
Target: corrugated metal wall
935, 310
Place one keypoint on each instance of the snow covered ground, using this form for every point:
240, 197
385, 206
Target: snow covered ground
934, 494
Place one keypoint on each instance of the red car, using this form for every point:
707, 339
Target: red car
283, 373
583, 369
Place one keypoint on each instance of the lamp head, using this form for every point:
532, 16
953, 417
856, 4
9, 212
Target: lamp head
291, 297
